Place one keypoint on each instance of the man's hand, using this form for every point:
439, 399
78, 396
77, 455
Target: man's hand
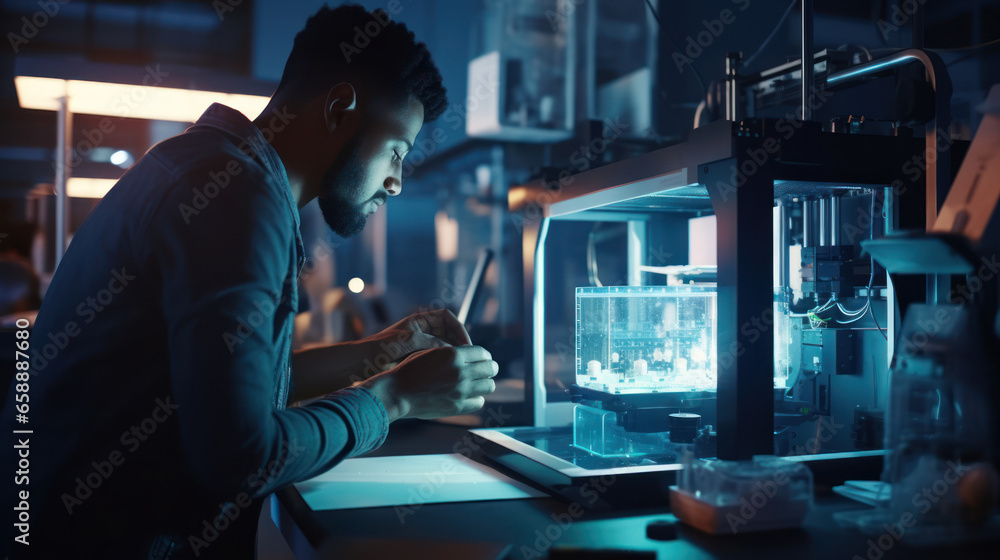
319, 371
420, 331
436, 383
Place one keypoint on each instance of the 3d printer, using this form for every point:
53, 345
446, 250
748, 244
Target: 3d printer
782, 347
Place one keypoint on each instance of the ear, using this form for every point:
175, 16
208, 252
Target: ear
341, 100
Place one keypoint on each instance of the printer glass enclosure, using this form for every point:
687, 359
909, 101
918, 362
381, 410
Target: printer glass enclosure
645, 339
640, 340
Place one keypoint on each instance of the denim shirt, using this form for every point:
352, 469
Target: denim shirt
162, 350
251, 141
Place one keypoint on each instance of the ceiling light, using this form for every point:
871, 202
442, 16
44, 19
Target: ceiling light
128, 100
120, 157
356, 285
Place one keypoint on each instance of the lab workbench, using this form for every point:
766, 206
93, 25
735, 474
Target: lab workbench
532, 528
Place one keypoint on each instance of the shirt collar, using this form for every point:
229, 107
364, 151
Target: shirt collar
253, 143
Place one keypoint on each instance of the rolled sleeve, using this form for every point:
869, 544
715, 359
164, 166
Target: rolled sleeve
365, 414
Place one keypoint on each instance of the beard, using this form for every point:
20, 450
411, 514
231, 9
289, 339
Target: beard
342, 187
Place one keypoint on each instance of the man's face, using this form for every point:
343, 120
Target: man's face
368, 169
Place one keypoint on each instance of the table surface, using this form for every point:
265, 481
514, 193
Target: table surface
534, 528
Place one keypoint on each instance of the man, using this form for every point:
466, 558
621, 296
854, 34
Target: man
161, 354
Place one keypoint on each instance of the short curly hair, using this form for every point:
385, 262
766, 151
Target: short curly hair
349, 40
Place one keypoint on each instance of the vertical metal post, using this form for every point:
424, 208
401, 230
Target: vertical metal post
745, 396
590, 56
807, 57
834, 220
498, 217
782, 235
824, 222
809, 222
890, 210
636, 246
652, 50
62, 163
571, 53
539, 393
732, 86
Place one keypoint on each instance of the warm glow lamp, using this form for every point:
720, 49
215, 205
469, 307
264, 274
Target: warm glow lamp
155, 92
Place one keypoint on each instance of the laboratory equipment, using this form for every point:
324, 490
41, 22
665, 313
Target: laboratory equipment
520, 87
642, 341
645, 339
732, 497
805, 321
794, 349
940, 476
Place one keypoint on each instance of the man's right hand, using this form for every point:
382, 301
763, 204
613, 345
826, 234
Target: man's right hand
435, 383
